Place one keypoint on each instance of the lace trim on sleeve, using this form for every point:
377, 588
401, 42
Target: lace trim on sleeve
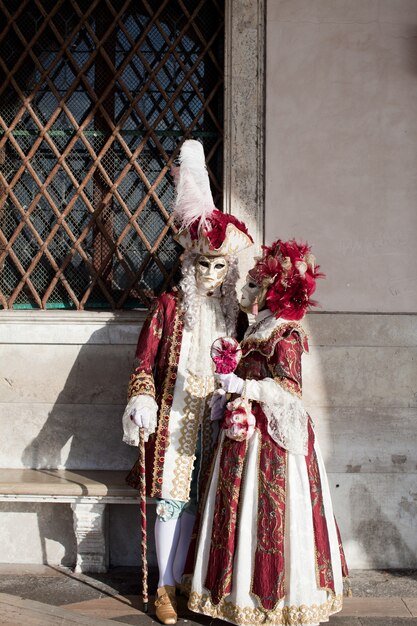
287, 418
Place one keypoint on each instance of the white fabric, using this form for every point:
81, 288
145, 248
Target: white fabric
265, 322
142, 417
166, 541
143, 409
217, 402
287, 418
194, 383
186, 530
231, 383
210, 325
300, 575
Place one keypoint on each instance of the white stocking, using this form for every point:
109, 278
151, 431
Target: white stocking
186, 529
166, 541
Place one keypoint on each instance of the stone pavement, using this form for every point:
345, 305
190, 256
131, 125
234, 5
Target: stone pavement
32, 595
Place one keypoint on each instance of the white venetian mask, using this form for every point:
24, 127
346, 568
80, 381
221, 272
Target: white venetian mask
252, 294
210, 271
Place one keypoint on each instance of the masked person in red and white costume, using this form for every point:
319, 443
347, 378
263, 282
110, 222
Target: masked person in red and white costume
268, 550
173, 380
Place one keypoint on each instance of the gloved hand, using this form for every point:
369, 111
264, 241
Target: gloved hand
231, 383
217, 402
141, 416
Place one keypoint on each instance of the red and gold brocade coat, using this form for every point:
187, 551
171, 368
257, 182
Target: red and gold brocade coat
268, 549
165, 357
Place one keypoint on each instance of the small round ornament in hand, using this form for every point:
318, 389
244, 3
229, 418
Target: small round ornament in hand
226, 354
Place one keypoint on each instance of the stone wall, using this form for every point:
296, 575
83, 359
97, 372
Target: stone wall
361, 390
63, 379
63, 384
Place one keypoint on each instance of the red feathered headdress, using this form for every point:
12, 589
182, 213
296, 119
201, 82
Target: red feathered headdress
288, 270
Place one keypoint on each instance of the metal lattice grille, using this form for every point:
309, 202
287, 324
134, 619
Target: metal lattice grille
95, 99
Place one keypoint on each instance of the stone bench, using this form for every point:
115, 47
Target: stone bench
88, 492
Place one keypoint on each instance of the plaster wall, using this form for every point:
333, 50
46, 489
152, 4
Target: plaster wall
340, 164
341, 144
62, 387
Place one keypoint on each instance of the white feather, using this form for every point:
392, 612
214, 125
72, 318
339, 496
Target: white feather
193, 194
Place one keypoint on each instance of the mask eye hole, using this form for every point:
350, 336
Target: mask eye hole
203, 263
252, 285
219, 266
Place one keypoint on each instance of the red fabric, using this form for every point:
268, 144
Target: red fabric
156, 348
222, 549
283, 350
216, 232
345, 570
269, 567
321, 535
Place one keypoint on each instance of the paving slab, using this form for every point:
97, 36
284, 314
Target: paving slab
411, 604
112, 607
340, 620
375, 607
128, 610
16, 611
380, 583
381, 598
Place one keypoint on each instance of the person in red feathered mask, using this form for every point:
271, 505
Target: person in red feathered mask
268, 543
283, 280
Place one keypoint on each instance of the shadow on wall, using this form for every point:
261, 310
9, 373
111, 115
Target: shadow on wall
410, 43
379, 537
83, 430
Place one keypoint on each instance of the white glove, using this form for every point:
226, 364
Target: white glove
217, 402
140, 412
141, 416
231, 383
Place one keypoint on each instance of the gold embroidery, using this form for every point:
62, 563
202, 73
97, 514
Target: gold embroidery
247, 616
347, 589
157, 331
277, 333
196, 391
285, 384
141, 383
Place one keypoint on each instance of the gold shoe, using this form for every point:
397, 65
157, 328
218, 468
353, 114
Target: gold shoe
166, 604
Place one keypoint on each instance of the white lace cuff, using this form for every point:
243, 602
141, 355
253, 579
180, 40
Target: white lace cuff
130, 430
287, 418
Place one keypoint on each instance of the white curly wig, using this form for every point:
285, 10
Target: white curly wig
229, 300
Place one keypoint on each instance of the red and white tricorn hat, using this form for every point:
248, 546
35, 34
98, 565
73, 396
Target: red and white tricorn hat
203, 228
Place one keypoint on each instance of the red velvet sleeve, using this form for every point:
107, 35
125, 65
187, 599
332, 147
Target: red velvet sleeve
285, 361
142, 379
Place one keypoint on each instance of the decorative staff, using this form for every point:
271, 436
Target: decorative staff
144, 544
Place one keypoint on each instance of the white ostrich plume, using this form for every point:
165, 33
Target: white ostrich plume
193, 194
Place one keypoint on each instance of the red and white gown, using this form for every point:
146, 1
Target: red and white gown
268, 549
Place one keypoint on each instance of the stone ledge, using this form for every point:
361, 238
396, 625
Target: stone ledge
55, 483
325, 329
